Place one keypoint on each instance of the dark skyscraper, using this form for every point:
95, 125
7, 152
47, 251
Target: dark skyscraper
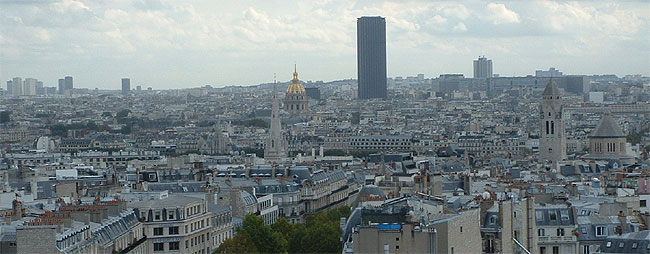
68, 84
126, 85
371, 57
61, 86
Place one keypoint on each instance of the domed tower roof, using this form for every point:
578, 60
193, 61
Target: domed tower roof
295, 86
607, 128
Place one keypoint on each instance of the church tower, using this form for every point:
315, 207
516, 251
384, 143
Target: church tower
275, 148
552, 138
295, 101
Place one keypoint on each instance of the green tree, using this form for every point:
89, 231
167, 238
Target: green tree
123, 113
334, 152
258, 152
126, 129
256, 122
91, 125
5, 116
283, 226
241, 243
262, 236
297, 239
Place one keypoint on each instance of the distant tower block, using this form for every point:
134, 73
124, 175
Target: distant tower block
552, 141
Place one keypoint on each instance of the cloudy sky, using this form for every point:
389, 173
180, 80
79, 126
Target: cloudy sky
176, 43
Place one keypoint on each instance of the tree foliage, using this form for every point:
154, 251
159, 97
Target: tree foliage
320, 234
256, 122
334, 152
123, 113
258, 152
5, 116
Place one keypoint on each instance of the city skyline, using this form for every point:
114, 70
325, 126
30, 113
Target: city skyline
163, 44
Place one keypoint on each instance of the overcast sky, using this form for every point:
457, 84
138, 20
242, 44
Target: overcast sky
179, 44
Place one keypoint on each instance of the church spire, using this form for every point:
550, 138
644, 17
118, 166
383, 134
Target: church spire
275, 148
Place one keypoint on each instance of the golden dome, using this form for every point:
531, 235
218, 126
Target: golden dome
295, 86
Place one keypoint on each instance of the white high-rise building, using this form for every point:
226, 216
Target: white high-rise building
29, 86
17, 86
552, 138
482, 68
275, 148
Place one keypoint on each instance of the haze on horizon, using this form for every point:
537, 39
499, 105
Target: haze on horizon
181, 44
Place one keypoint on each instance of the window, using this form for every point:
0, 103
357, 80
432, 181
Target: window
540, 232
583, 230
542, 250
601, 231
187, 244
157, 231
560, 232
171, 215
621, 244
173, 230
539, 215
174, 245
609, 244
159, 247
643, 203
547, 129
461, 229
564, 214
397, 239
157, 215
552, 215
585, 249
556, 249
635, 245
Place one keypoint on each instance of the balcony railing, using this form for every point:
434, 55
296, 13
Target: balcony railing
134, 245
557, 239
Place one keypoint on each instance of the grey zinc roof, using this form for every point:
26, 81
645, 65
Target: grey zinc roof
552, 216
607, 127
248, 198
176, 187
171, 201
587, 227
635, 242
551, 89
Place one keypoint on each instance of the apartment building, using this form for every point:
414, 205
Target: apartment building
177, 224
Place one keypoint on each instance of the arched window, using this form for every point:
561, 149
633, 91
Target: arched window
552, 127
547, 131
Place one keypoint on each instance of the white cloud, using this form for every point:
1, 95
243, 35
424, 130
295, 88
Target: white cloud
499, 14
322, 33
460, 27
